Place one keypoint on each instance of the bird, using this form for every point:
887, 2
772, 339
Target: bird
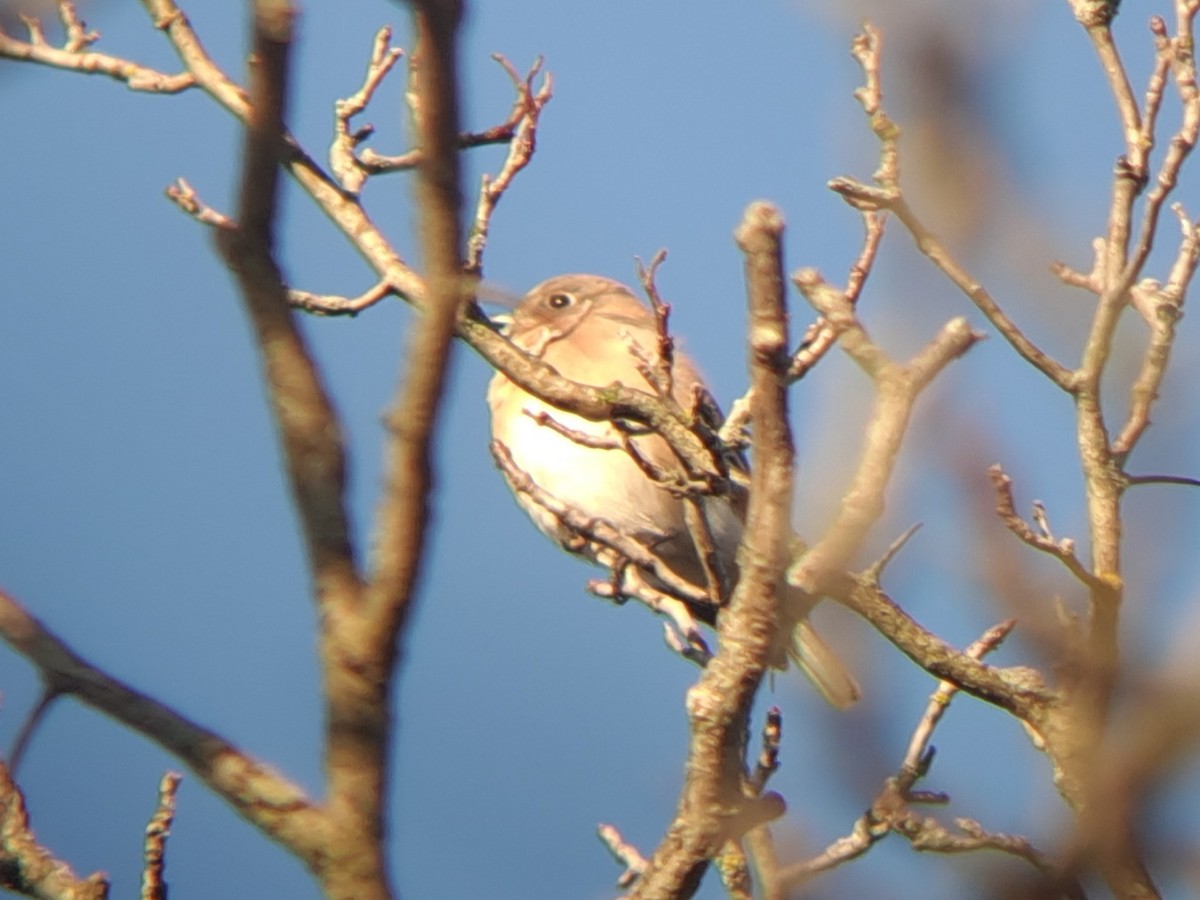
596, 331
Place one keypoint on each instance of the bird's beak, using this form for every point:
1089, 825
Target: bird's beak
492, 296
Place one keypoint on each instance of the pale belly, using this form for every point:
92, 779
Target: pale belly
603, 483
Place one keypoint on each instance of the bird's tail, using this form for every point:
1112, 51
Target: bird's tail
821, 664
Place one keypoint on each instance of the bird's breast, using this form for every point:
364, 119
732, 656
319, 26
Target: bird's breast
597, 481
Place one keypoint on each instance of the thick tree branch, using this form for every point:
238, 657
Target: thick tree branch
403, 515
356, 697
308, 426
1020, 691
713, 806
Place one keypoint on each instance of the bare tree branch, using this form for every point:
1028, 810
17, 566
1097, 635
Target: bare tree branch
344, 210
343, 161
28, 728
1063, 550
891, 811
1164, 305
720, 815
154, 848
73, 55
713, 807
1019, 690
867, 50
897, 388
624, 853
402, 517
277, 807
329, 305
820, 336
352, 861
28, 868
308, 425
520, 131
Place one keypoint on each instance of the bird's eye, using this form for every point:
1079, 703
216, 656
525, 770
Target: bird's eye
560, 300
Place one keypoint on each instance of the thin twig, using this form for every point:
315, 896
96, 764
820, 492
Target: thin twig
662, 367
374, 163
875, 571
624, 440
522, 142
887, 196
624, 853
343, 160
820, 336
154, 848
74, 56
1162, 479
918, 746
183, 195
37, 715
343, 209
767, 763
332, 305
860, 196
716, 579
1063, 551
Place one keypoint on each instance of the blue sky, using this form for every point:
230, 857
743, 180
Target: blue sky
143, 516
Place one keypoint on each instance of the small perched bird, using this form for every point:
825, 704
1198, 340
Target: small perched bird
595, 331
